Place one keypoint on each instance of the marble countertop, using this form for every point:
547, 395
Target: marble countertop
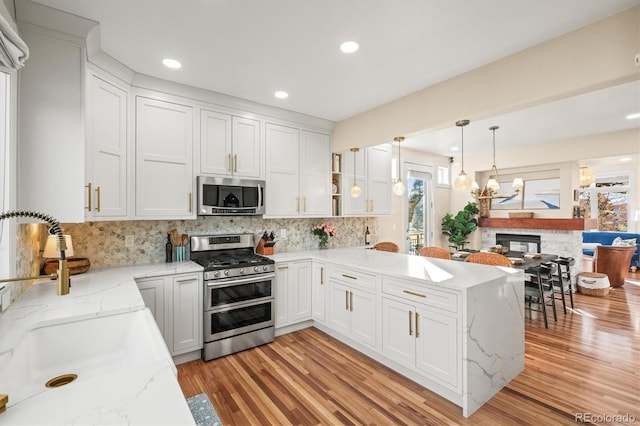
141, 395
438, 272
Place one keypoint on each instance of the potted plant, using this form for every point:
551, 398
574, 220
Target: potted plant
459, 227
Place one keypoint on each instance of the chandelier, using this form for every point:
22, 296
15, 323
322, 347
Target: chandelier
491, 189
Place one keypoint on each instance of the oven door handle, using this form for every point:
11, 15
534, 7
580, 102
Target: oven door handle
254, 278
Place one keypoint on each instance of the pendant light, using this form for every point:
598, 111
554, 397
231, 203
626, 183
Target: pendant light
491, 190
355, 189
462, 182
586, 176
398, 187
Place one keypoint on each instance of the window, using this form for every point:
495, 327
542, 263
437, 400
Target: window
608, 201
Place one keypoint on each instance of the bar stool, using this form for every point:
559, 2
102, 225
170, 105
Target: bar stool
563, 279
540, 285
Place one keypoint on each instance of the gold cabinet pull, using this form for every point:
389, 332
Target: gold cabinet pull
321, 275
98, 196
351, 301
304, 204
349, 276
190, 203
410, 323
414, 293
235, 163
346, 299
283, 267
371, 206
89, 195
229, 163
417, 322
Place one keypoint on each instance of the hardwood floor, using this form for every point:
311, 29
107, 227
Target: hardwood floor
586, 363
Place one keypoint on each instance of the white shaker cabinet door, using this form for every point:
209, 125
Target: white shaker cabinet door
354, 171
106, 143
364, 317
339, 318
299, 291
282, 171
246, 148
319, 289
215, 143
152, 291
186, 313
164, 178
379, 179
398, 332
315, 174
438, 352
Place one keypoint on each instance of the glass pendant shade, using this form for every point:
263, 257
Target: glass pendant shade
356, 191
586, 176
518, 183
462, 182
398, 187
474, 186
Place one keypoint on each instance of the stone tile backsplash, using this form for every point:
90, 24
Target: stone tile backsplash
104, 242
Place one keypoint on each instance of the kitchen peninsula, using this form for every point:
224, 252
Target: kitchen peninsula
454, 327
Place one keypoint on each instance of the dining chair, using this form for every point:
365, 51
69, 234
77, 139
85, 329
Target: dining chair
540, 287
562, 279
433, 251
386, 246
487, 258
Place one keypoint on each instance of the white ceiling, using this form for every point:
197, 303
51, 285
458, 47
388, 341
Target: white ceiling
251, 48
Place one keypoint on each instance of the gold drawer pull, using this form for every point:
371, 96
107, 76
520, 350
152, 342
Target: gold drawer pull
349, 276
346, 299
417, 321
410, 324
283, 267
98, 194
351, 301
414, 294
89, 195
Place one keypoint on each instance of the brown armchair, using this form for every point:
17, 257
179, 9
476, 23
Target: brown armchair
613, 261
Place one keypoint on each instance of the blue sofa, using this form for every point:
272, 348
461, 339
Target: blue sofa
605, 238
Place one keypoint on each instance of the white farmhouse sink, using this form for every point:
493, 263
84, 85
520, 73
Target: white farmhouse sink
89, 348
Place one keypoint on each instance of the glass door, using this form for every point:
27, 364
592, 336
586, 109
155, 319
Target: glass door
419, 207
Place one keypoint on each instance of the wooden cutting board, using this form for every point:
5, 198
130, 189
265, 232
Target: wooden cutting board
77, 265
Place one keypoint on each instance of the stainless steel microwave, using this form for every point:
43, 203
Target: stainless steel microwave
230, 196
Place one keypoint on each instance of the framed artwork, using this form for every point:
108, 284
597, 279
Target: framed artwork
542, 194
511, 203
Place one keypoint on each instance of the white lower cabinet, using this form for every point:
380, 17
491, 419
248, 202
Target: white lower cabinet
424, 339
176, 302
293, 292
352, 310
319, 291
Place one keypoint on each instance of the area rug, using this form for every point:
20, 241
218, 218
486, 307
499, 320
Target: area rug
202, 410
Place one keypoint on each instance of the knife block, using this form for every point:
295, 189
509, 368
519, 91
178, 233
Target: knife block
261, 249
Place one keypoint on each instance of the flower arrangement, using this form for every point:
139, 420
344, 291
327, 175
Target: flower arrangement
324, 231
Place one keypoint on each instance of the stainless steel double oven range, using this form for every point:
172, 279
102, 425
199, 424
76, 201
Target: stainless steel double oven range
239, 300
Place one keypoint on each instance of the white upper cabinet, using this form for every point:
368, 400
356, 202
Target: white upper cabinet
229, 146
51, 139
315, 174
298, 172
373, 176
164, 177
106, 150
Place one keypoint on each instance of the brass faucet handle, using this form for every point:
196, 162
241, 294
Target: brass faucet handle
4, 400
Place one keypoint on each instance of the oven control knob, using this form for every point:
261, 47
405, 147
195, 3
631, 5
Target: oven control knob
264, 268
216, 274
241, 270
226, 272
255, 269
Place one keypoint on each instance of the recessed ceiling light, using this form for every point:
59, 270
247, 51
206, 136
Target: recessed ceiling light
632, 116
349, 46
625, 159
454, 148
171, 63
281, 95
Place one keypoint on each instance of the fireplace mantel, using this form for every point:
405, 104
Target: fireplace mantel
550, 223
